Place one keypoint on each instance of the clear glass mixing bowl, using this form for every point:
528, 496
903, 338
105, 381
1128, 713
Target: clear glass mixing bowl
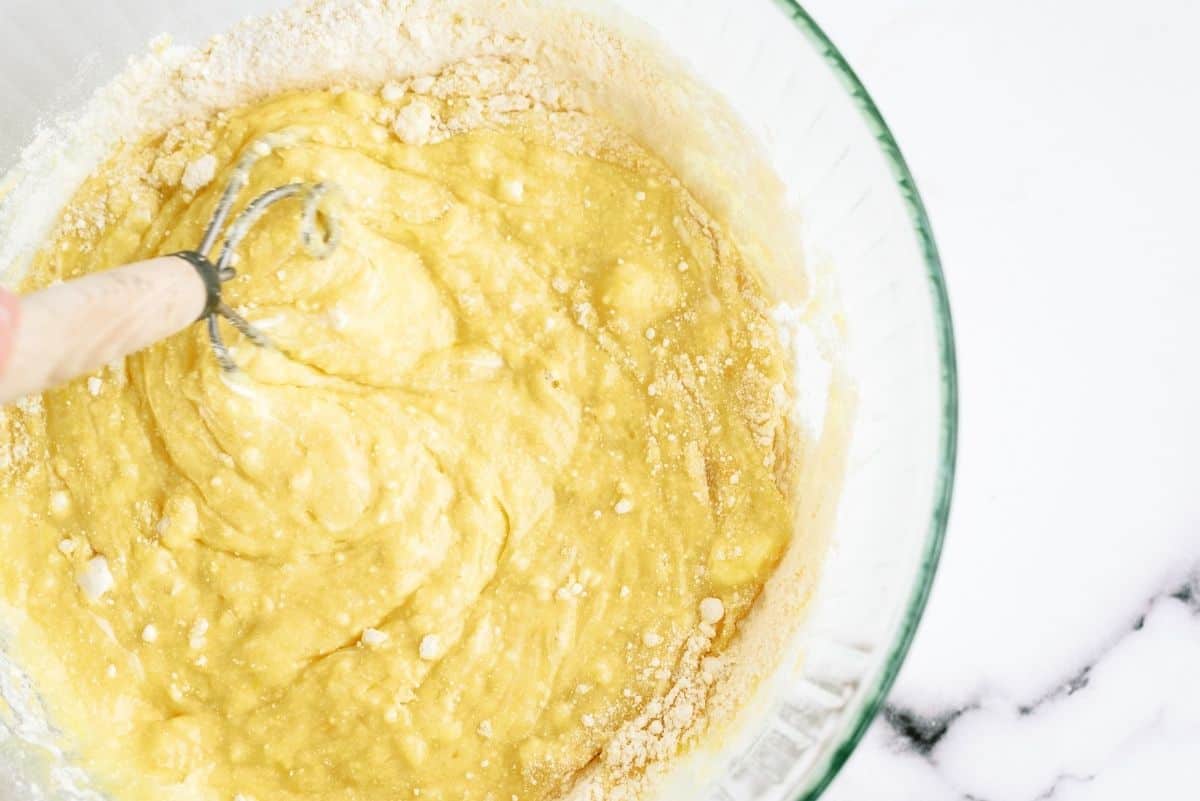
861, 214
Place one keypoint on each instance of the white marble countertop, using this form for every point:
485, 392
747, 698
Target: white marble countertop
1057, 144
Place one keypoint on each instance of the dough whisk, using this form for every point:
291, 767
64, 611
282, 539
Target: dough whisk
76, 327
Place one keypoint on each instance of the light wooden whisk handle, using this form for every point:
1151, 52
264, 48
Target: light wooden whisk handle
76, 327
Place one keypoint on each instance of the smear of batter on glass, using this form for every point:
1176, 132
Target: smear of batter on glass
519, 461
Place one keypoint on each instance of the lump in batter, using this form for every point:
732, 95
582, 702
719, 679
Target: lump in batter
522, 438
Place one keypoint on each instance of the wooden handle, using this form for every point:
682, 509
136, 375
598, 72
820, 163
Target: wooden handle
76, 327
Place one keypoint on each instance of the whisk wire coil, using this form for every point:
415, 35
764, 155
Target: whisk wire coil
318, 244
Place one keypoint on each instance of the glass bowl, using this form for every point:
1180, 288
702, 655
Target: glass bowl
861, 222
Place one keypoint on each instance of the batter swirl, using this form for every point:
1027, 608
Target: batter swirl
522, 437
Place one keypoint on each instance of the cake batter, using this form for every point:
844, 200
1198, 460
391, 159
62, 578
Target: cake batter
521, 445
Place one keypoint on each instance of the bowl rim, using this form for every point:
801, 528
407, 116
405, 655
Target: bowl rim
948, 431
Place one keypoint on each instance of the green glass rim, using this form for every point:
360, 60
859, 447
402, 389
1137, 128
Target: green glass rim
948, 433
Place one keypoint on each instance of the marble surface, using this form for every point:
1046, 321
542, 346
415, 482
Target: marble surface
1057, 144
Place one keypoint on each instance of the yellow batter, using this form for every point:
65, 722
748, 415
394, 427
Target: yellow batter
522, 428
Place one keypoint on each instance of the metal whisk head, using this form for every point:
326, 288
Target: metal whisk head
318, 244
